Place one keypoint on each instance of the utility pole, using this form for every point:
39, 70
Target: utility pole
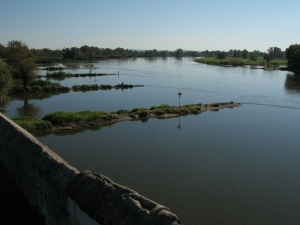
179, 94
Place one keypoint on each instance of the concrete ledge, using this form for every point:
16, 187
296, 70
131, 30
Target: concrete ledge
111, 203
62, 195
40, 174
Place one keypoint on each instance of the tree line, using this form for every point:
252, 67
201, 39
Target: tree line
272, 53
85, 52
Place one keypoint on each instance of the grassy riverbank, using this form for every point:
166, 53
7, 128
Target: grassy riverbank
238, 61
72, 121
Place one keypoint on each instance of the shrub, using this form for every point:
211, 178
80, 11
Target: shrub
143, 114
122, 111
138, 109
160, 112
163, 106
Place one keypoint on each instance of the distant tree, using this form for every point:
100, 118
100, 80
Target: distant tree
271, 53
245, 54
22, 62
164, 53
267, 57
221, 55
277, 52
274, 52
5, 84
236, 53
71, 53
193, 53
179, 52
293, 56
253, 55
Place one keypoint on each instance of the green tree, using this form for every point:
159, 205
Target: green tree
179, 52
253, 55
221, 55
22, 62
245, 54
5, 84
236, 53
275, 52
293, 56
164, 53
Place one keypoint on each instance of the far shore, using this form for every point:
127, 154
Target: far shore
260, 63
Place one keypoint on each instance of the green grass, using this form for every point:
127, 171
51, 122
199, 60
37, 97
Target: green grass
61, 118
33, 125
92, 119
237, 61
85, 87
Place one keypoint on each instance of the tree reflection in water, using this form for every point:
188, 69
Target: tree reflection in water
292, 83
29, 109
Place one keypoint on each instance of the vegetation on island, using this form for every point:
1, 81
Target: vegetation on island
45, 86
60, 75
273, 59
238, 61
62, 121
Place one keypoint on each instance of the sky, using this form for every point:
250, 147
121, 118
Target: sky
153, 24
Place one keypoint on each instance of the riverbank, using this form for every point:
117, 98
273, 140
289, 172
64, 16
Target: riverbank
238, 61
77, 121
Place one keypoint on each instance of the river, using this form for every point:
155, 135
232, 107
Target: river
234, 166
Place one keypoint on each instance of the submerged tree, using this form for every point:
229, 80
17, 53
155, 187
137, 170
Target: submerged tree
22, 62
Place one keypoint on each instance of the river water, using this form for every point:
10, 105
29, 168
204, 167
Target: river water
234, 166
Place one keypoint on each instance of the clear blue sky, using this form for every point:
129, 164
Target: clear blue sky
152, 24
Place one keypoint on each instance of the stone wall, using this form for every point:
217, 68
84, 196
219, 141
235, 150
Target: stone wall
63, 195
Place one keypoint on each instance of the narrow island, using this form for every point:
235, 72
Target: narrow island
77, 121
60, 75
259, 63
42, 86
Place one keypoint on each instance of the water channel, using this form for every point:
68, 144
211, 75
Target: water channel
234, 166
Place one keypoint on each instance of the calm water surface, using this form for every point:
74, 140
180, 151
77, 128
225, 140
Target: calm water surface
235, 166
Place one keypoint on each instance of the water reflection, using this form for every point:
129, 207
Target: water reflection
29, 109
72, 66
179, 125
37, 96
292, 83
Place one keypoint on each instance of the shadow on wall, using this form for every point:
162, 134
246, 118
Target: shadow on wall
62, 195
